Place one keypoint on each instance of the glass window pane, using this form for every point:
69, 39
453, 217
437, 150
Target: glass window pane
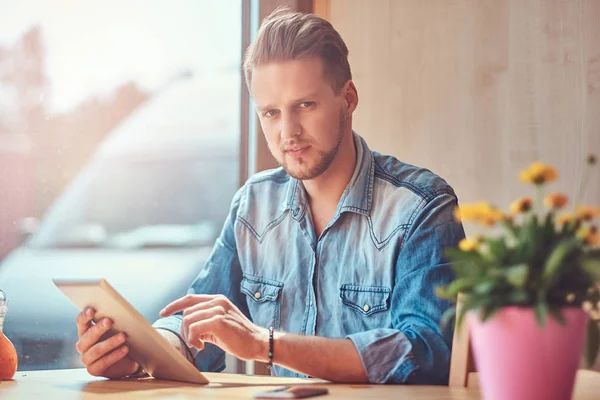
119, 132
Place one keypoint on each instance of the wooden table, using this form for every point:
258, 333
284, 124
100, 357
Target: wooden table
77, 384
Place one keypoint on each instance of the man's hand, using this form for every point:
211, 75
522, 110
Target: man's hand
215, 319
106, 357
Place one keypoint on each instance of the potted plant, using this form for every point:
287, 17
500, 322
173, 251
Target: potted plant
527, 290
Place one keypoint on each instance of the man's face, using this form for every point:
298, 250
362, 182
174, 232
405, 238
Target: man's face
303, 120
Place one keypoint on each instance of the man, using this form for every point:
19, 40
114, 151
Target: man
326, 266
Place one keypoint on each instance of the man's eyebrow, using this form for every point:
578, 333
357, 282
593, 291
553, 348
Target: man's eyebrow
265, 108
302, 99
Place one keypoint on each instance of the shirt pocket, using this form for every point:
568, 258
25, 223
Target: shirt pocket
365, 307
263, 297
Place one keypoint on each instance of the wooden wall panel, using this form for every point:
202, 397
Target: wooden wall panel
477, 89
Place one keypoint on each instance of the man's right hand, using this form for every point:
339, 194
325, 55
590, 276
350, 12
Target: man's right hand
108, 357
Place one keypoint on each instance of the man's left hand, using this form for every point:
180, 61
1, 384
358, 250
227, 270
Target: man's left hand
215, 319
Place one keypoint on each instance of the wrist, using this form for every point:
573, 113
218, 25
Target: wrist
262, 346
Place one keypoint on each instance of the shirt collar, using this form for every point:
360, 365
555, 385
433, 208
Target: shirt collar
358, 195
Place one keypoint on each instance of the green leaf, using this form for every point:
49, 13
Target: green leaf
549, 231
592, 342
496, 251
485, 287
510, 227
541, 312
518, 297
464, 285
470, 303
556, 260
527, 242
465, 263
489, 312
570, 228
557, 314
517, 275
467, 269
534, 222
457, 255
447, 317
592, 268
486, 305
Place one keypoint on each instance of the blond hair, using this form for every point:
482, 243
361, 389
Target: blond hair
285, 35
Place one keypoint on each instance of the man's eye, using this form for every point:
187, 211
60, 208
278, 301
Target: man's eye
307, 104
270, 113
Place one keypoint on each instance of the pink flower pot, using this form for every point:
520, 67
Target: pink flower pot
518, 360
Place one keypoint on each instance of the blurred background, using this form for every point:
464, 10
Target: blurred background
119, 154
126, 127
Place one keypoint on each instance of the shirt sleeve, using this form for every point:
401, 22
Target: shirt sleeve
415, 349
179, 344
221, 274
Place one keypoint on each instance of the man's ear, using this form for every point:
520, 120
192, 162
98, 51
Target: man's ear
351, 97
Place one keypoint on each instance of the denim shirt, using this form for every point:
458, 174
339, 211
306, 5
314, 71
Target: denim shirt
370, 276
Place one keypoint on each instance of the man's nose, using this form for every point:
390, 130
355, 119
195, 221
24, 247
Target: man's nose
290, 126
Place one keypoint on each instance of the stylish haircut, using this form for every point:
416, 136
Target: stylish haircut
285, 35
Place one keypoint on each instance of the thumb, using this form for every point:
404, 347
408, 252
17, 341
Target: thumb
199, 341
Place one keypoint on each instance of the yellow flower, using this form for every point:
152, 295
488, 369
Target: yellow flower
589, 235
556, 200
587, 213
469, 244
468, 212
480, 212
492, 215
538, 173
521, 206
457, 214
564, 219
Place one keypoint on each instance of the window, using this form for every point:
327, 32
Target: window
120, 131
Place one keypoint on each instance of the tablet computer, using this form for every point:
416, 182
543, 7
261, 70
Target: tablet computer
146, 346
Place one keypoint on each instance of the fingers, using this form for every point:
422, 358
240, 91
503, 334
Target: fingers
202, 315
221, 303
98, 367
188, 301
180, 304
203, 331
199, 316
93, 335
101, 349
196, 316
84, 320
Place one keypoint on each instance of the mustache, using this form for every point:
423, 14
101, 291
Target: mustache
293, 143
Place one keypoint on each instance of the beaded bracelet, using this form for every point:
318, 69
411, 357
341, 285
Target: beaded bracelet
270, 363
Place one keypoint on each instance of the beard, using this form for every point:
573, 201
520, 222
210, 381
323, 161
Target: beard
324, 158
